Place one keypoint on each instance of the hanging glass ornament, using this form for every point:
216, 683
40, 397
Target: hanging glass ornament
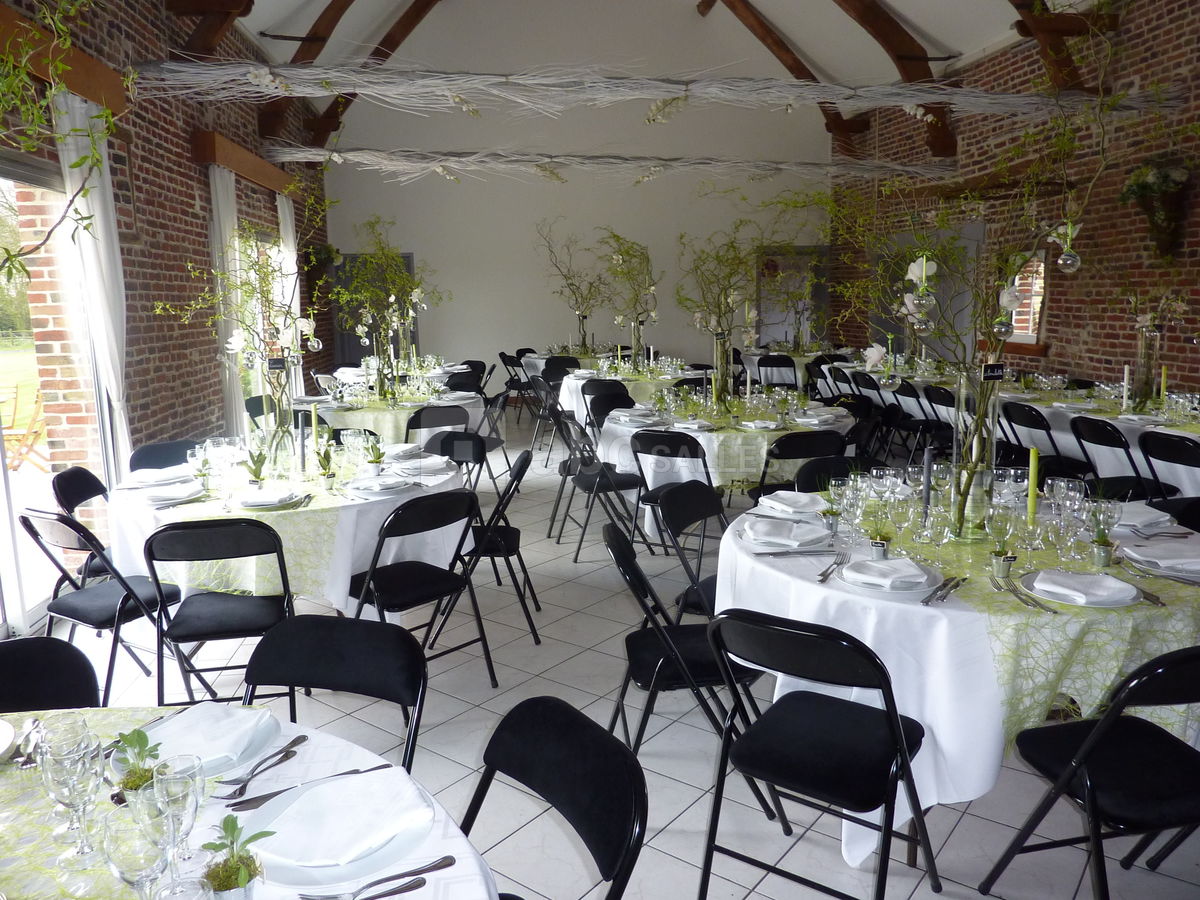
923, 326
365, 341
889, 381
925, 301
1002, 328
293, 360
315, 344
1069, 262
1010, 298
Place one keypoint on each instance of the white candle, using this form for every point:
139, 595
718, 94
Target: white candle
1125, 391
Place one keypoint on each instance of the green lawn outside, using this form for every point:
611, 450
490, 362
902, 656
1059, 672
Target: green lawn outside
18, 366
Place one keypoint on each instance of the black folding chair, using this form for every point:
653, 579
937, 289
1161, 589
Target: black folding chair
45, 673
1102, 433
73, 487
106, 605
545, 414
672, 455
587, 775
1173, 450
161, 455
466, 449
599, 387
813, 476
406, 585
599, 407
826, 753
681, 508
777, 370
793, 447
440, 418
1127, 774
1025, 416
213, 615
374, 659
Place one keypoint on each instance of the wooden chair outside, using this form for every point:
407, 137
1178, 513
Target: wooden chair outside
21, 443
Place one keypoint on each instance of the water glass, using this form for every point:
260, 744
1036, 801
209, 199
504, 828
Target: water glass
1000, 523
185, 889
133, 855
71, 772
178, 790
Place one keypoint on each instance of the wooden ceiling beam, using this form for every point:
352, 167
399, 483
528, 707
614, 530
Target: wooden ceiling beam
1051, 35
273, 114
214, 147
1071, 24
910, 58
841, 128
330, 120
216, 18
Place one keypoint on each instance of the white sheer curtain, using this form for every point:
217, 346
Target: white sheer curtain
288, 265
221, 232
102, 279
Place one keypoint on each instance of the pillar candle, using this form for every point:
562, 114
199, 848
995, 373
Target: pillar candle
1163, 392
1125, 391
316, 432
1031, 510
927, 476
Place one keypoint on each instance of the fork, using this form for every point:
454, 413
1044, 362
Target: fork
999, 586
1018, 591
242, 779
414, 885
240, 791
1149, 535
444, 863
839, 559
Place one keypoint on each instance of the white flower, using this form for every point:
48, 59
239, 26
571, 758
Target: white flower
1063, 233
698, 320
261, 76
367, 317
654, 315
1145, 320
416, 295
713, 324
306, 326
752, 314
236, 342
360, 330
337, 158
921, 269
619, 321
1010, 298
651, 289
616, 258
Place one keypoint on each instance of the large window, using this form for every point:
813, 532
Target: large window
1030, 285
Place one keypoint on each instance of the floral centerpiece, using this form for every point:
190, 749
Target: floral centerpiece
1159, 188
790, 290
1151, 310
379, 295
631, 285
582, 285
718, 279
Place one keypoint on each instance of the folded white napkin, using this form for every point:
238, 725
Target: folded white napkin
1083, 590
778, 534
267, 497
1141, 419
793, 502
217, 733
885, 574
393, 452
458, 395
338, 821
759, 425
694, 425
424, 465
377, 483
822, 419
1012, 395
1074, 404
584, 373
176, 493
1136, 514
1170, 554
453, 369
151, 477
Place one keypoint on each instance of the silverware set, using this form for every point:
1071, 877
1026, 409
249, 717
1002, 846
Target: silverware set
438, 864
256, 802
839, 559
945, 589
1007, 584
1137, 569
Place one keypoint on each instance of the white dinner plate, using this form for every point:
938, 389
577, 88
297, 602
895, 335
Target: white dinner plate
393, 855
757, 547
7, 735
1027, 581
932, 579
258, 744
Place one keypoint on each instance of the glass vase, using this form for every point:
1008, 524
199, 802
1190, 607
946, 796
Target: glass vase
280, 441
722, 388
638, 354
1146, 367
975, 427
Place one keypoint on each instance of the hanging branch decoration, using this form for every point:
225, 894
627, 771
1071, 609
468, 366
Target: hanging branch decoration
631, 283
406, 166
582, 284
552, 91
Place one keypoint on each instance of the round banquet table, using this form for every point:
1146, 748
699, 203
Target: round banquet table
324, 543
535, 363
390, 424
974, 670
642, 388
28, 853
750, 364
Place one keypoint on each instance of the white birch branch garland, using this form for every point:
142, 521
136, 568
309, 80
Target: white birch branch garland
406, 166
551, 92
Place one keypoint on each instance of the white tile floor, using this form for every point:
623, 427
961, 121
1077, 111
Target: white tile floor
585, 614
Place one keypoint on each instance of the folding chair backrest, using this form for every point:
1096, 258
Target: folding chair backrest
1172, 679
595, 387
777, 369
463, 447
625, 559
161, 455
430, 417
63, 532
601, 406
1023, 415
1168, 450
689, 503
1102, 433
516, 474
429, 512
814, 474
45, 673
665, 446
807, 445
75, 486
524, 351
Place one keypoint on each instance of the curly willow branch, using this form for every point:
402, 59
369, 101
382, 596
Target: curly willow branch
409, 165
552, 91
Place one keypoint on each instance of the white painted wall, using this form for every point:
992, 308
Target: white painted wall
479, 234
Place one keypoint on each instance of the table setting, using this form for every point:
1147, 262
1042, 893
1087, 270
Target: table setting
309, 814
327, 522
982, 637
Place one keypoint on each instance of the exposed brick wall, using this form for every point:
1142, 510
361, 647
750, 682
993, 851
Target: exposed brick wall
1084, 322
172, 370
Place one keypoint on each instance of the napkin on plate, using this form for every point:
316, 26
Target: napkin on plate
759, 425
267, 497
694, 425
1140, 419
393, 452
175, 493
1171, 555
424, 465
152, 477
338, 821
1080, 589
822, 419
792, 502
449, 370
584, 373
777, 534
217, 733
1074, 404
1136, 514
370, 483
885, 574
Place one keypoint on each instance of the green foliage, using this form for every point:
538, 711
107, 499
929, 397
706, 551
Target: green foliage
135, 752
238, 866
1150, 179
255, 463
582, 282
629, 276
719, 275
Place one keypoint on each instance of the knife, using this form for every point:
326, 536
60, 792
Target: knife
256, 802
935, 594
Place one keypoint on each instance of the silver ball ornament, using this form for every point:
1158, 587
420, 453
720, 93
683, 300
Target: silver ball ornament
1002, 329
890, 381
1069, 262
923, 327
366, 342
315, 344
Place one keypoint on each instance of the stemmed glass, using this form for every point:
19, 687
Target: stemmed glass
178, 789
133, 854
188, 889
1001, 522
939, 477
71, 770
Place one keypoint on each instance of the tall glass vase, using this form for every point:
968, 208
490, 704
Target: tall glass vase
638, 354
280, 437
975, 429
722, 368
1146, 367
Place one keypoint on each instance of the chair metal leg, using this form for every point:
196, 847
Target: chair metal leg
1096, 846
487, 653
521, 599
528, 581
566, 515
644, 719
922, 833
885, 840
1170, 846
1014, 847
1139, 848
562, 484
710, 839
619, 708
586, 519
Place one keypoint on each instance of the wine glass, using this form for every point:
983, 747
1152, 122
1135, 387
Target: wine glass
133, 854
186, 889
837, 490
71, 772
1001, 522
178, 789
939, 477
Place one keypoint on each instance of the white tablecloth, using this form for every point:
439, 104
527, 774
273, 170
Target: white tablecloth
939, 658
390, 424
641, 388
750, 364
324, 544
